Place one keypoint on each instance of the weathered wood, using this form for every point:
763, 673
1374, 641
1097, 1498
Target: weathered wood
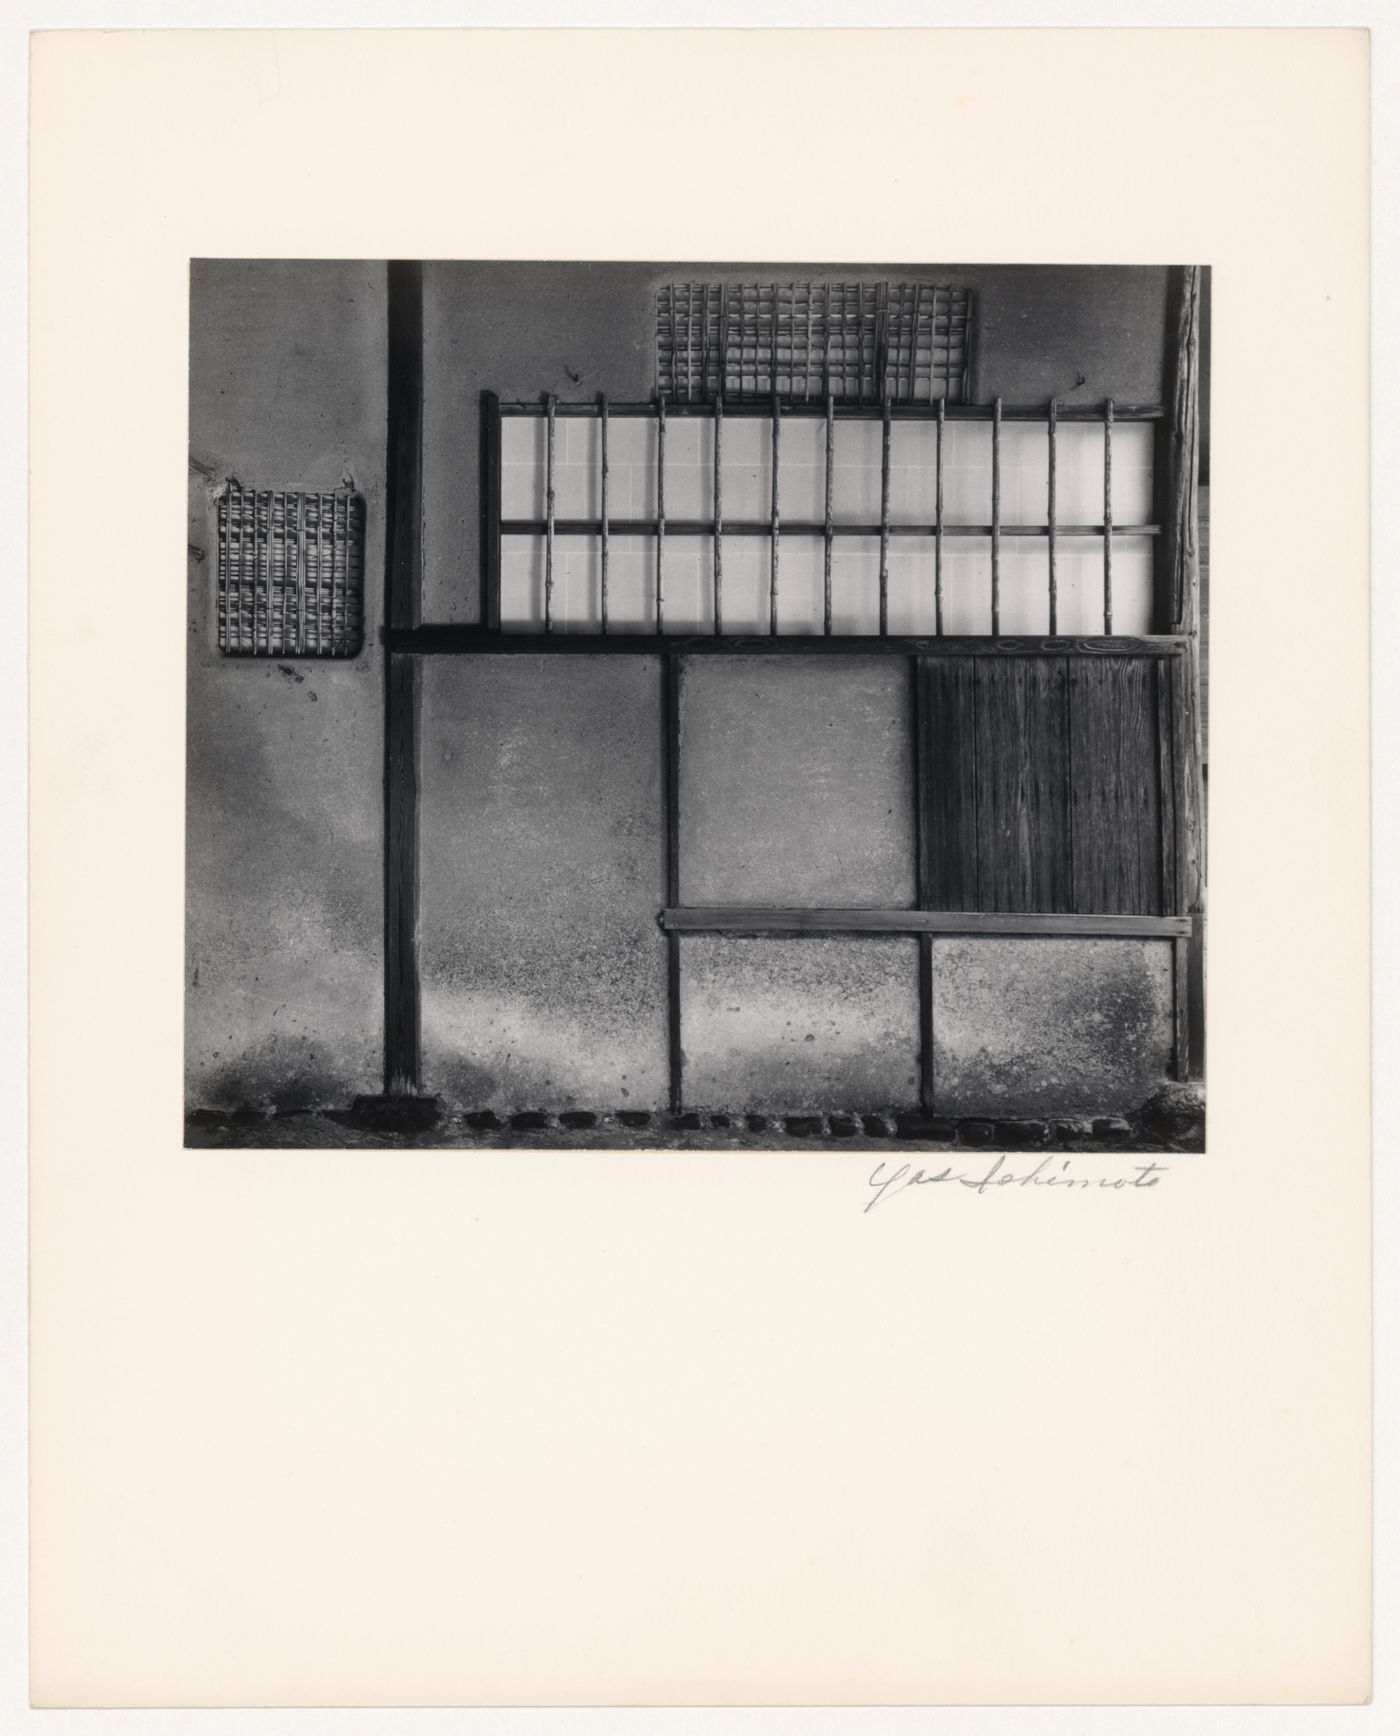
1108, 517
1116, 842
885, 521
443, 639
776, 521
719, 514
549, 521
491, 510
1181, 1010
849, 410
938, 517
1182, 449
918, 706
721, 919
996, 516
603, 509
671, 668
534, 527
1051, 518
1196, 996
403, 585
402, 1028
1023, 809
1166, 788
948, 763
660, 511
828, 523
1180, 443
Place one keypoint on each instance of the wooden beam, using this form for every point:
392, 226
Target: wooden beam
816, 528
451, 640
767, 920
403, 589
847, 411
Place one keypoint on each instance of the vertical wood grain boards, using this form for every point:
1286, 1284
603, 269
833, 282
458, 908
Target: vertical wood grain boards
1116, 810
1049, 785
1022, 780
948, 765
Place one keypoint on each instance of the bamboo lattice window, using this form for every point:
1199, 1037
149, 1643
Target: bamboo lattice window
855, 342
291, 570
823, 519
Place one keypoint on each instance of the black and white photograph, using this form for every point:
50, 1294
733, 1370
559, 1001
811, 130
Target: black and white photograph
710, 705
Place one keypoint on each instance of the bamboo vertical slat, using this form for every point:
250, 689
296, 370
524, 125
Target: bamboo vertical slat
828, 537
937, 514
996, 517
1050, 513
1108, 516
660, 512
301, 576
719, 513
603, 508
490, 521
549, 515
885, 520
776, 521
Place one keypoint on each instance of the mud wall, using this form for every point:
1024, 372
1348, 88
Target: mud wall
284, 840
542, 846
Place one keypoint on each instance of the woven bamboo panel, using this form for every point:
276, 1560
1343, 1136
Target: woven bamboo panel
291, 571
856, 342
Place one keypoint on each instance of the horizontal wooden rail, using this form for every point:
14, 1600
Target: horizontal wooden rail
874, 412
798, 527
447, 640
947, 922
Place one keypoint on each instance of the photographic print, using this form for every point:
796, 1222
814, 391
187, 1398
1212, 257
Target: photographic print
697, 705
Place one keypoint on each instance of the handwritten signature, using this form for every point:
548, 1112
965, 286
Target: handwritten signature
1045, 1174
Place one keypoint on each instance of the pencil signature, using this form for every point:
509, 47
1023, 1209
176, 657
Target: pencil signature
886, 1183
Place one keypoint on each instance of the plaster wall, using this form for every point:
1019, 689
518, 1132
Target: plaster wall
284, 841
542, 849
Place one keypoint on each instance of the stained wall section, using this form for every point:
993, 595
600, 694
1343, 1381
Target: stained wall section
284, 834
543, 869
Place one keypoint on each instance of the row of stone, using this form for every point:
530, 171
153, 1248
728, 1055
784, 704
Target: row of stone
1007, 1135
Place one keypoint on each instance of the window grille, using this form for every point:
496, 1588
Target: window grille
838, 520
855, 342
291, 570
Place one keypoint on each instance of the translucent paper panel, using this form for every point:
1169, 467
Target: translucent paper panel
1079, 473
1080, 566
747, 498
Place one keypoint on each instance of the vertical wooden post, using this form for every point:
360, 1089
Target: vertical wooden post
1181, 442
403, 586
670, 771
917, 714
491, 512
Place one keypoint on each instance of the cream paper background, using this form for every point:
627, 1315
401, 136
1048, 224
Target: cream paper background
410, 1428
